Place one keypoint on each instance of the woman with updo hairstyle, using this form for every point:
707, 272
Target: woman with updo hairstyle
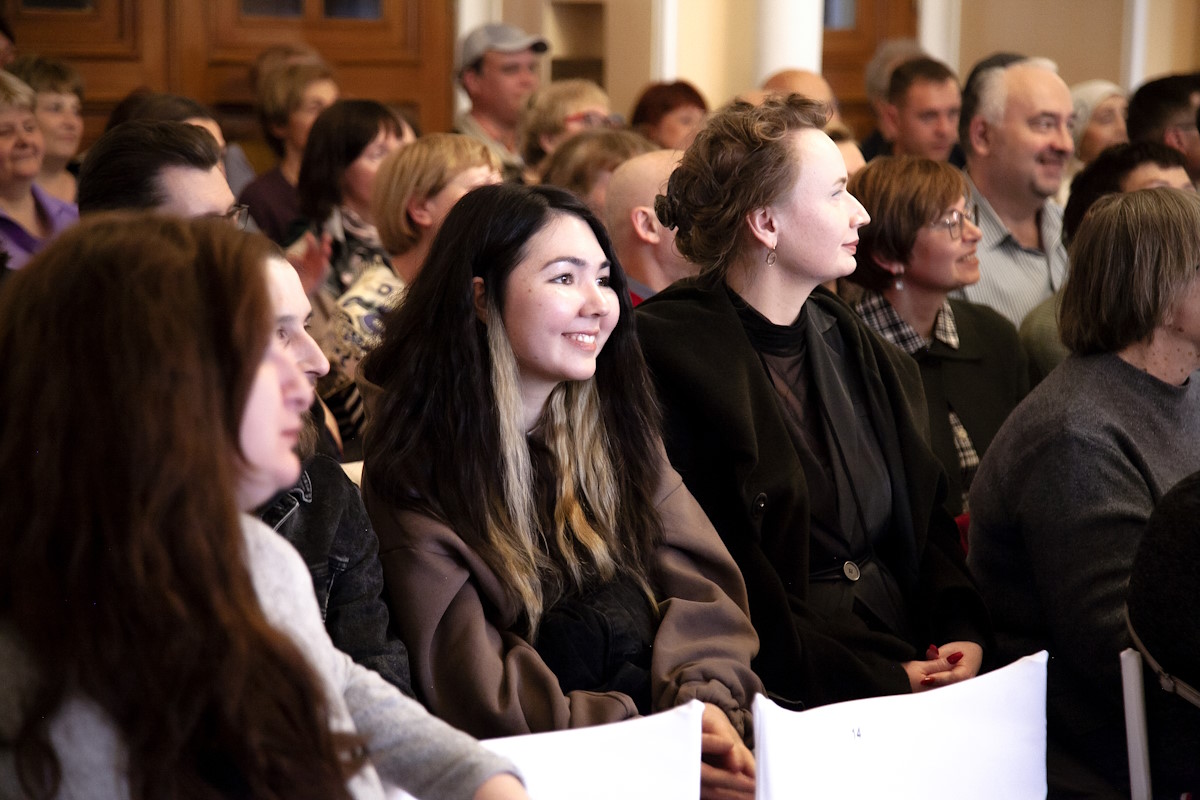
1062, 498
157, 641
414, 191
802, 435
544, 564
919, 247
669, 114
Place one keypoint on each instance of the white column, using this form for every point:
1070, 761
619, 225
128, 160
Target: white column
790, 34
939, 31
1133, 44
664, 53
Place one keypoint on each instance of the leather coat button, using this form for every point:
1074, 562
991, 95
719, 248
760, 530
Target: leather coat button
760, 503
850, 570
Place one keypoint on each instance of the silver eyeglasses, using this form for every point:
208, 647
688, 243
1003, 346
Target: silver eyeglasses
238, 215
955, 220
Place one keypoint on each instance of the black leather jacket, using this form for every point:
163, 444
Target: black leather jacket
324, 518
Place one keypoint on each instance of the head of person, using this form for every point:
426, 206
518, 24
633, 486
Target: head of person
277, 56
843, 137
346, 145
520, 323
584, 164
559, 111
22, 145
970, 88
168, 107
1099, 117
290, 99
498, 67
59, 103
124, 557
1165, 110
172, 167
804, 82
8, 43
877, 75
764, 187
418, 185
1133, 271
923, 109
1020, 137
669, 114
1122, 168
921, 226
637, 234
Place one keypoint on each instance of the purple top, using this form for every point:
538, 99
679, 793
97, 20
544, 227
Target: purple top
19, 243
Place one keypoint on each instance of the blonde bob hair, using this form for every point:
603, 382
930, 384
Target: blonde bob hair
418, 172
548, 111
1132, 261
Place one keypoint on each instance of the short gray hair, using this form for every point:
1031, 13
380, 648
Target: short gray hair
991, 89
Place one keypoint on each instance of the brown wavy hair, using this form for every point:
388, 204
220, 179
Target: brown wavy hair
740, 161
129, 347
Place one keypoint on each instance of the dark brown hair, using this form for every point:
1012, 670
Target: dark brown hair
1132, 258
128, 348
902, 194
743, 159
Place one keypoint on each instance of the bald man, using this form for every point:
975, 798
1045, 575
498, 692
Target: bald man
807, 83
644, 245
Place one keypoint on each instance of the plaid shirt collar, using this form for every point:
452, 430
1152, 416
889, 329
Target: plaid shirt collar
882, 318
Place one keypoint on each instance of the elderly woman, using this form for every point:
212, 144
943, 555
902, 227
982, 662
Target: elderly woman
1062, 497
556, 113
794, 425
1099, 123
29, 215
920, 246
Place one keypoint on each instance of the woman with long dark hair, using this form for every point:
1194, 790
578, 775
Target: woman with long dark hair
544, 564
800, 433
156, 642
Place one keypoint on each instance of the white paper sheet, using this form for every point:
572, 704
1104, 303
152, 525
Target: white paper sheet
983, 739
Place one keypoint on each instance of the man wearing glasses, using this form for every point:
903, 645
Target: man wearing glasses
1017, 139
1165, 111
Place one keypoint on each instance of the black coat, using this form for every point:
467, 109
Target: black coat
725, 433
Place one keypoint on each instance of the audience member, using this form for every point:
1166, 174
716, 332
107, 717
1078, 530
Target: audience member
29, 215
545, 564
414, 191
796, 428
1163, 617
877, 76
669, 114
290, 99
1099, 123
1062, 496
557, 112
584, 164
1165, 110
497, 66
1120, 168
645, 247
923, 107
58, 109
919, 247
156, 641
1018, 141
347, 143
8, 44
807, 83
322, 514
844, 139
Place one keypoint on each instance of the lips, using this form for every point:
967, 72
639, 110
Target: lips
585, 340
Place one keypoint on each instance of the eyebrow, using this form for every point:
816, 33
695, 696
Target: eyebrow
574, 261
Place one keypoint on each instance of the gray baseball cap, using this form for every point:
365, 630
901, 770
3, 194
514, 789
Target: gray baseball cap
498, 37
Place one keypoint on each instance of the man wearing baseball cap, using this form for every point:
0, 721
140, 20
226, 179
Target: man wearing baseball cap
497, 66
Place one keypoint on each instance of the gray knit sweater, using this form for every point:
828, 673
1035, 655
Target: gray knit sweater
1057, 511
407, 746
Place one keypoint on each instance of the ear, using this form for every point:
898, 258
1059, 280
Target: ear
645, 225
547, 142
279, 131
894, 267
481, 309
763, 226
889, 120
1173, 138
418, 212
470, 81
980, 134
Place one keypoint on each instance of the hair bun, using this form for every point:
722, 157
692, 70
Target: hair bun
666, 208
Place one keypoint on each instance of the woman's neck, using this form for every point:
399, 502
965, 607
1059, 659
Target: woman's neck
774, 292
289, 166
19, 204
60, 185
408, 264
1165, 356
918, 307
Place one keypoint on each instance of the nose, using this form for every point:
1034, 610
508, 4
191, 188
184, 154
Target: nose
294, 387
1065, 142
310, 358
598, 300
858, 214
971, 231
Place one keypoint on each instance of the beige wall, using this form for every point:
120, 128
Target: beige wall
1172, 27
716, 47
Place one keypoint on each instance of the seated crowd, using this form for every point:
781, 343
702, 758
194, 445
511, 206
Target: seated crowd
705, 407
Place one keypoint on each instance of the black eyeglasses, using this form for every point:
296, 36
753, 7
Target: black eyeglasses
955, 220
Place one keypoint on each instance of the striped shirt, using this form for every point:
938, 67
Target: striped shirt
1012, 278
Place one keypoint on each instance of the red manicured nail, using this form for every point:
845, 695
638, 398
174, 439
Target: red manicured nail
955, 658
928, 681
931, 652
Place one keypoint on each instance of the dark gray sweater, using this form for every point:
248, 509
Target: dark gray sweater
1057, 511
